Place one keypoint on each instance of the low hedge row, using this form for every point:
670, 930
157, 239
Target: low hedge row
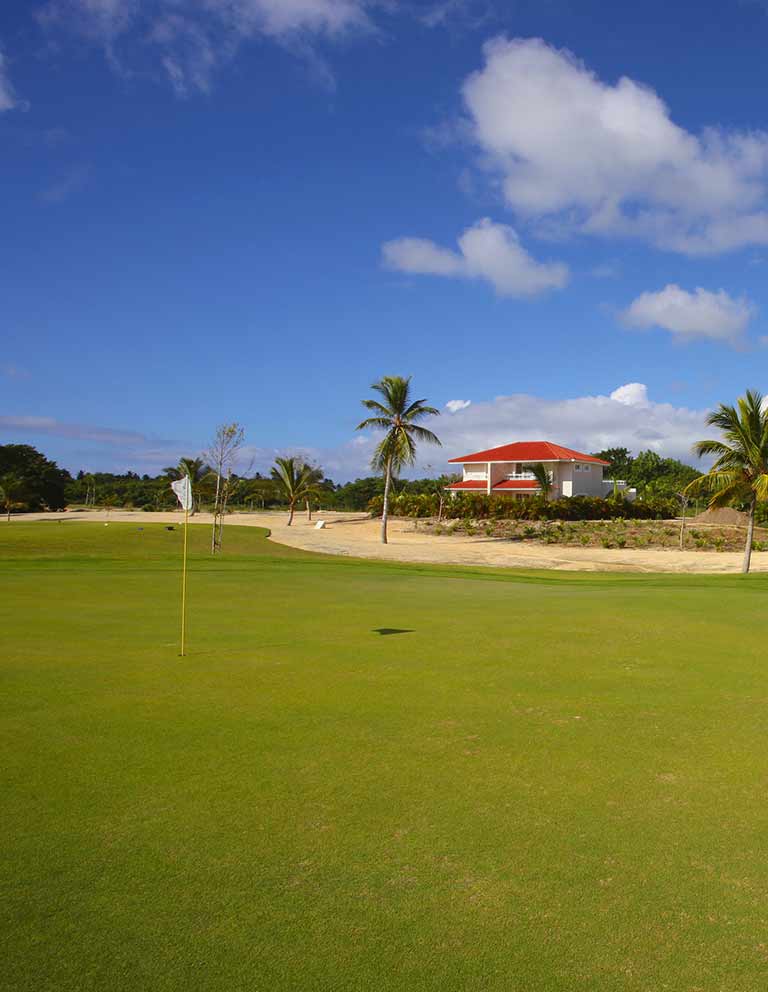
477, 506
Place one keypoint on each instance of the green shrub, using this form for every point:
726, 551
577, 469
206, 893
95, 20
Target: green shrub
479, 506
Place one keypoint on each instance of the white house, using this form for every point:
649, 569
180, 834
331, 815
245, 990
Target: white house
504, 471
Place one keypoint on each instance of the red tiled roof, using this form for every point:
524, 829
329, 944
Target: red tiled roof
530, 484
529, 451
478, 485
469, 484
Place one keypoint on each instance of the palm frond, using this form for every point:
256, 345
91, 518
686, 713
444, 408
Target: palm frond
541, 475
419, 409
383, 422
422, 434
378, 407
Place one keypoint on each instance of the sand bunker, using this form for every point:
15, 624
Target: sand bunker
356, 535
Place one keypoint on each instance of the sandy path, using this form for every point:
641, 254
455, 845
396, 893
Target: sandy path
358, 536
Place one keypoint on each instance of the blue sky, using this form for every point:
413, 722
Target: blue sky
553, 212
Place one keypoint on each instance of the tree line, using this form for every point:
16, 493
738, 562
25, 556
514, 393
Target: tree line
738, 477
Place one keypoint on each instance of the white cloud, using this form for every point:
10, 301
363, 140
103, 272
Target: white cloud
627, 417
606, 270
487, 251
453, 406
7, 95
70, 182
700, 314
576, 153
631, 394
470, 14
52, 427
195, 37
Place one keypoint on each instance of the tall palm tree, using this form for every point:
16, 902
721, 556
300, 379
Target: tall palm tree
200, 475
397, 416
542, 475
740, 470
297, 480
12, 492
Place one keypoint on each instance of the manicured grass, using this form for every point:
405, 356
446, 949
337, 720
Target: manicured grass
543, 782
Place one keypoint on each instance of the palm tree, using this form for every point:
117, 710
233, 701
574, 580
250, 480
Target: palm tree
12, 492
298, 481
740, 470
199, 474
314, 478
542, 475
397, 416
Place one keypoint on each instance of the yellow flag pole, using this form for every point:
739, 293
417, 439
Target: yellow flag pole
184, 586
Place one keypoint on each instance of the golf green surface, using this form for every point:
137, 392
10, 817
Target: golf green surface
370, 776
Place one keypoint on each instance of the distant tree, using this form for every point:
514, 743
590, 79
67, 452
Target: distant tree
358, 494
740, 470
263, 492
298, 481
12, 493
43, 479
542, 475
619, 462
398, 417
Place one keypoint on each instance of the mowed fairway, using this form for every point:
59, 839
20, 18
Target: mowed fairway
539, 782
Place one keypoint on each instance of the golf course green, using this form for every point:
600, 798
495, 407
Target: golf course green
374, 776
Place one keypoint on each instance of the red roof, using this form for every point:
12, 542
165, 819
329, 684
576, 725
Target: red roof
479, 485
529, 451
530, 484
469, 484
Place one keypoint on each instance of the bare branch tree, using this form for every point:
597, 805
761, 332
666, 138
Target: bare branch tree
221, 456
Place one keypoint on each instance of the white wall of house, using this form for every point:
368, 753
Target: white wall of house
475, 471
580, 478
568, 478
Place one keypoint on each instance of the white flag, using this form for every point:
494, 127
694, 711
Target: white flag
183, 490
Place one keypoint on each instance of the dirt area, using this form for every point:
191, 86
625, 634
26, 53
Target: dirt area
357, 535
723, 516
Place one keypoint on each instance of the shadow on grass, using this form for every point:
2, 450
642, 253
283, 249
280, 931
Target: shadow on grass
384, 631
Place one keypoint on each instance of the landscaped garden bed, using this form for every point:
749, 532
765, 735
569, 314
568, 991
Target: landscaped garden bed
617, 533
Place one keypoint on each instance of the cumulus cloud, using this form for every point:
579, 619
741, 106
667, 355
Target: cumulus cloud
625, 418
194, 38
577, 153
700, 314
453, 406
631, 394
487, 251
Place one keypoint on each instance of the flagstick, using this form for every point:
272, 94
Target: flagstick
184, 586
